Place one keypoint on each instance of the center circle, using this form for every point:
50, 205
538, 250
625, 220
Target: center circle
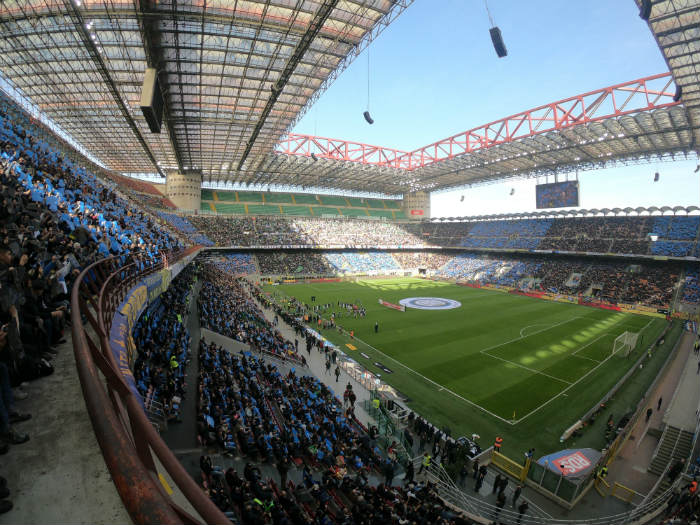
430, 303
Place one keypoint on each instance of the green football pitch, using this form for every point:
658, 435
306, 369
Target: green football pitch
500, 363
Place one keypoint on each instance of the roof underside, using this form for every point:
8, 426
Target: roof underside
676, 27
83, 61
221, 62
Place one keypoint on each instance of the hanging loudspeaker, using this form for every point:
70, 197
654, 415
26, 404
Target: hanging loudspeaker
368, 118
512, 191
679, 93
461, 199
498, 44
656, 177
314, 157
645, 10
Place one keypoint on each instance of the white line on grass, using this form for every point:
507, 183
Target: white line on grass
573, 384
533, 333
533, 370
587, 345
441, 387
530, 326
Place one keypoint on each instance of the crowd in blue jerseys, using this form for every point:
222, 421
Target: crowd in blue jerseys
85, 206
248, 407
226, 308
163, 346
56, 218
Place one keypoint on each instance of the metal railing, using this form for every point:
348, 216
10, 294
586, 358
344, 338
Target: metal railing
482, 511
130, 444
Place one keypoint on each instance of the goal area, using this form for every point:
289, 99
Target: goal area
625, 343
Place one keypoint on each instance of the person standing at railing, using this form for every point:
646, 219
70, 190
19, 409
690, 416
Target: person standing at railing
522, 509
516, 494
425, 464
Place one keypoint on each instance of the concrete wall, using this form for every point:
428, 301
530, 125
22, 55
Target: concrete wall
229, 344
416, 205
184, 190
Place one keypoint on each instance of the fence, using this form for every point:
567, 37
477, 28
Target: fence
509, 466
481, 511
130, 444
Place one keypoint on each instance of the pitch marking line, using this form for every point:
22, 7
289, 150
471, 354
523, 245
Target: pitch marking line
534, 371
563, 392
440, 387
587, 345
485, 350
530, 326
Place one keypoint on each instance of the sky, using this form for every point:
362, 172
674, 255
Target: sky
433, 73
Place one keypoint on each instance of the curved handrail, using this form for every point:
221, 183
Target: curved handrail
124, 433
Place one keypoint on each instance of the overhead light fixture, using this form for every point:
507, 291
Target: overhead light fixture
679, 93
497, 40
645, 10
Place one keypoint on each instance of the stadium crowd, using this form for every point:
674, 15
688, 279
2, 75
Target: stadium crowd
355, 262
615, 282
162, 344
294, 263
675, 236
248, 408
226, 307
428, 260
56, 218
265, 231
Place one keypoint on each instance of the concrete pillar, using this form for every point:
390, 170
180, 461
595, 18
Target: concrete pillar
416, 205
184, 190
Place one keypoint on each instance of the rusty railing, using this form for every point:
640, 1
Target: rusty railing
129, 442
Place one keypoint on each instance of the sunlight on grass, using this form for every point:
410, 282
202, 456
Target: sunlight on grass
582, 338
558, 349
400, 284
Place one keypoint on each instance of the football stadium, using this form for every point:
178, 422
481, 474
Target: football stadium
245, 278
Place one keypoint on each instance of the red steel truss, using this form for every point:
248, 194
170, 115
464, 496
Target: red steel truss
644, 94
337, 149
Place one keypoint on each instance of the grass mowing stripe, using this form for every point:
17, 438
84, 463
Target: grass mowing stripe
485, 350
526, 368
442, 348
576, 382
442, 388
589, 344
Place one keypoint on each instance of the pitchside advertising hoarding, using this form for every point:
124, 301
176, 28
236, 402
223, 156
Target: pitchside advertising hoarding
557, 195
399, 307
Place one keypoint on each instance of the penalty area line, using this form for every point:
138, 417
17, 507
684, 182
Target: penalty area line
438, 385
530, 326
563, 392
534, 371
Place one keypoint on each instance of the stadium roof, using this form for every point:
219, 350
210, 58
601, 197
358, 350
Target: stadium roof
238, 74
83, 62
676, 27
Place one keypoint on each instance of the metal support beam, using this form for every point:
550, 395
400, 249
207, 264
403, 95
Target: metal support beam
319, 19
645, 94
102, 69
154, 58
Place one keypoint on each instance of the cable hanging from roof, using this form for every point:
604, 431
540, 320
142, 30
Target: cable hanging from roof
366, 114
496, 37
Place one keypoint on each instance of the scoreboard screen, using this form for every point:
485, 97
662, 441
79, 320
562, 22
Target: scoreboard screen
557, 195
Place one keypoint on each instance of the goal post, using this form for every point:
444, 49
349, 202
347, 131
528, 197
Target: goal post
625, 343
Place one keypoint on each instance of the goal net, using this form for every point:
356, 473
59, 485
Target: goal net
625, 343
